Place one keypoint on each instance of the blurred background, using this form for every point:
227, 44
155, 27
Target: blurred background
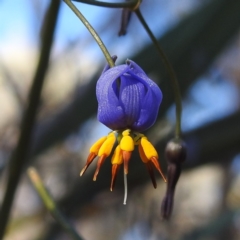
202, 41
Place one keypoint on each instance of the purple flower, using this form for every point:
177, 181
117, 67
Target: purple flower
128, 102
127, 98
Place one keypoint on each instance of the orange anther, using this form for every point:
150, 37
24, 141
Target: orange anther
115, 168
151, 173
155, 162
90, 158
99, 164
126, 157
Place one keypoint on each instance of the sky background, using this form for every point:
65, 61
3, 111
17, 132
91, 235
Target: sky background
214, 95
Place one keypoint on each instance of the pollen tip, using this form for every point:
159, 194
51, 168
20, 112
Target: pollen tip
83, 171
163, 177
154, 184
95, 176
112, 185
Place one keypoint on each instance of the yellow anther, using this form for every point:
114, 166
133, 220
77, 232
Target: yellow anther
111, 134
117, 157
152, 156
96, 146
127, 143
148, 148
142, 154
127, 146
126, 132
138, 137
107, 146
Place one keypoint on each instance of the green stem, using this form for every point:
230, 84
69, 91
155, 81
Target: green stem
168, 66
129, 4
50, 204
92, 31
19, 157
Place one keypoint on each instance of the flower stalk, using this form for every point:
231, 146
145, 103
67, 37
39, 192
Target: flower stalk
168, 66
92, 31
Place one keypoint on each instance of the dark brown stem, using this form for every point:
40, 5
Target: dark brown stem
130, 4
171, 72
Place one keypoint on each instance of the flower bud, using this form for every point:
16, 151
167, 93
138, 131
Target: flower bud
176, 151
174, 171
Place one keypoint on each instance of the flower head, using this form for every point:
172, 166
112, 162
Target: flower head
128, 102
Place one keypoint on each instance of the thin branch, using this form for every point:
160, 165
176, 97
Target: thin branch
129, 4
92, 31
20, 155
50, 204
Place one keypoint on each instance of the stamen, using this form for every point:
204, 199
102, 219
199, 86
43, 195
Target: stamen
151, 173
126, 157
156, 164
107, 146
125, 188
91, 156
99, 164
115, 168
